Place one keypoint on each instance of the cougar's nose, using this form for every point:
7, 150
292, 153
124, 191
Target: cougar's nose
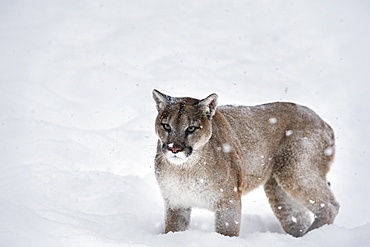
174, 150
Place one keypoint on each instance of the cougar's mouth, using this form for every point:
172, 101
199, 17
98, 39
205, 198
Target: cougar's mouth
176, 154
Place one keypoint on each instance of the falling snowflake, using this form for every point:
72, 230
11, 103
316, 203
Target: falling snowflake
288, 132
226, 148
329, 151
272, 120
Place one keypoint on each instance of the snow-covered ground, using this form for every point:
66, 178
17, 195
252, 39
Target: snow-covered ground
76, 115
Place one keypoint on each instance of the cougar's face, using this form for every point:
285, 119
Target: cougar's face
182, 129
183, 125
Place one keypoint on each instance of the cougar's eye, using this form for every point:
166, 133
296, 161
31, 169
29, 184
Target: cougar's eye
166, 127
191, 129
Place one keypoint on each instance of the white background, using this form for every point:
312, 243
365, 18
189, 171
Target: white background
77, 138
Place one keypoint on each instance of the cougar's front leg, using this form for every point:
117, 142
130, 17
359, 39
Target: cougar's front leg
177, 219
228, 218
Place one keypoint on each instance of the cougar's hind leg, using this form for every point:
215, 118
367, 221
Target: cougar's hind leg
303, 178
294, 218
317, 197
322, 204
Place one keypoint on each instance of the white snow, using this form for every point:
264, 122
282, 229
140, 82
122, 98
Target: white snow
294, 219
77, 117
328, 151
272, 120
288, 132
226, 148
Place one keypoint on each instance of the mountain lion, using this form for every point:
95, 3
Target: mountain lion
209, 156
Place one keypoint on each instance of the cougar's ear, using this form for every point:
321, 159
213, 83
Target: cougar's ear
209, 104
161, 99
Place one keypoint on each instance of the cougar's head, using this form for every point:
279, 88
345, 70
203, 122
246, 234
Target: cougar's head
183, 125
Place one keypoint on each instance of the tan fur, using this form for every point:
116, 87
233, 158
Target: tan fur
233, 150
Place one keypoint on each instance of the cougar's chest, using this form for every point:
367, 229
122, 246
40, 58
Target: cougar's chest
189, 188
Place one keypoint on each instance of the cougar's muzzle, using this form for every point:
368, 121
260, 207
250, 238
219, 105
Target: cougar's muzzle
176, 154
